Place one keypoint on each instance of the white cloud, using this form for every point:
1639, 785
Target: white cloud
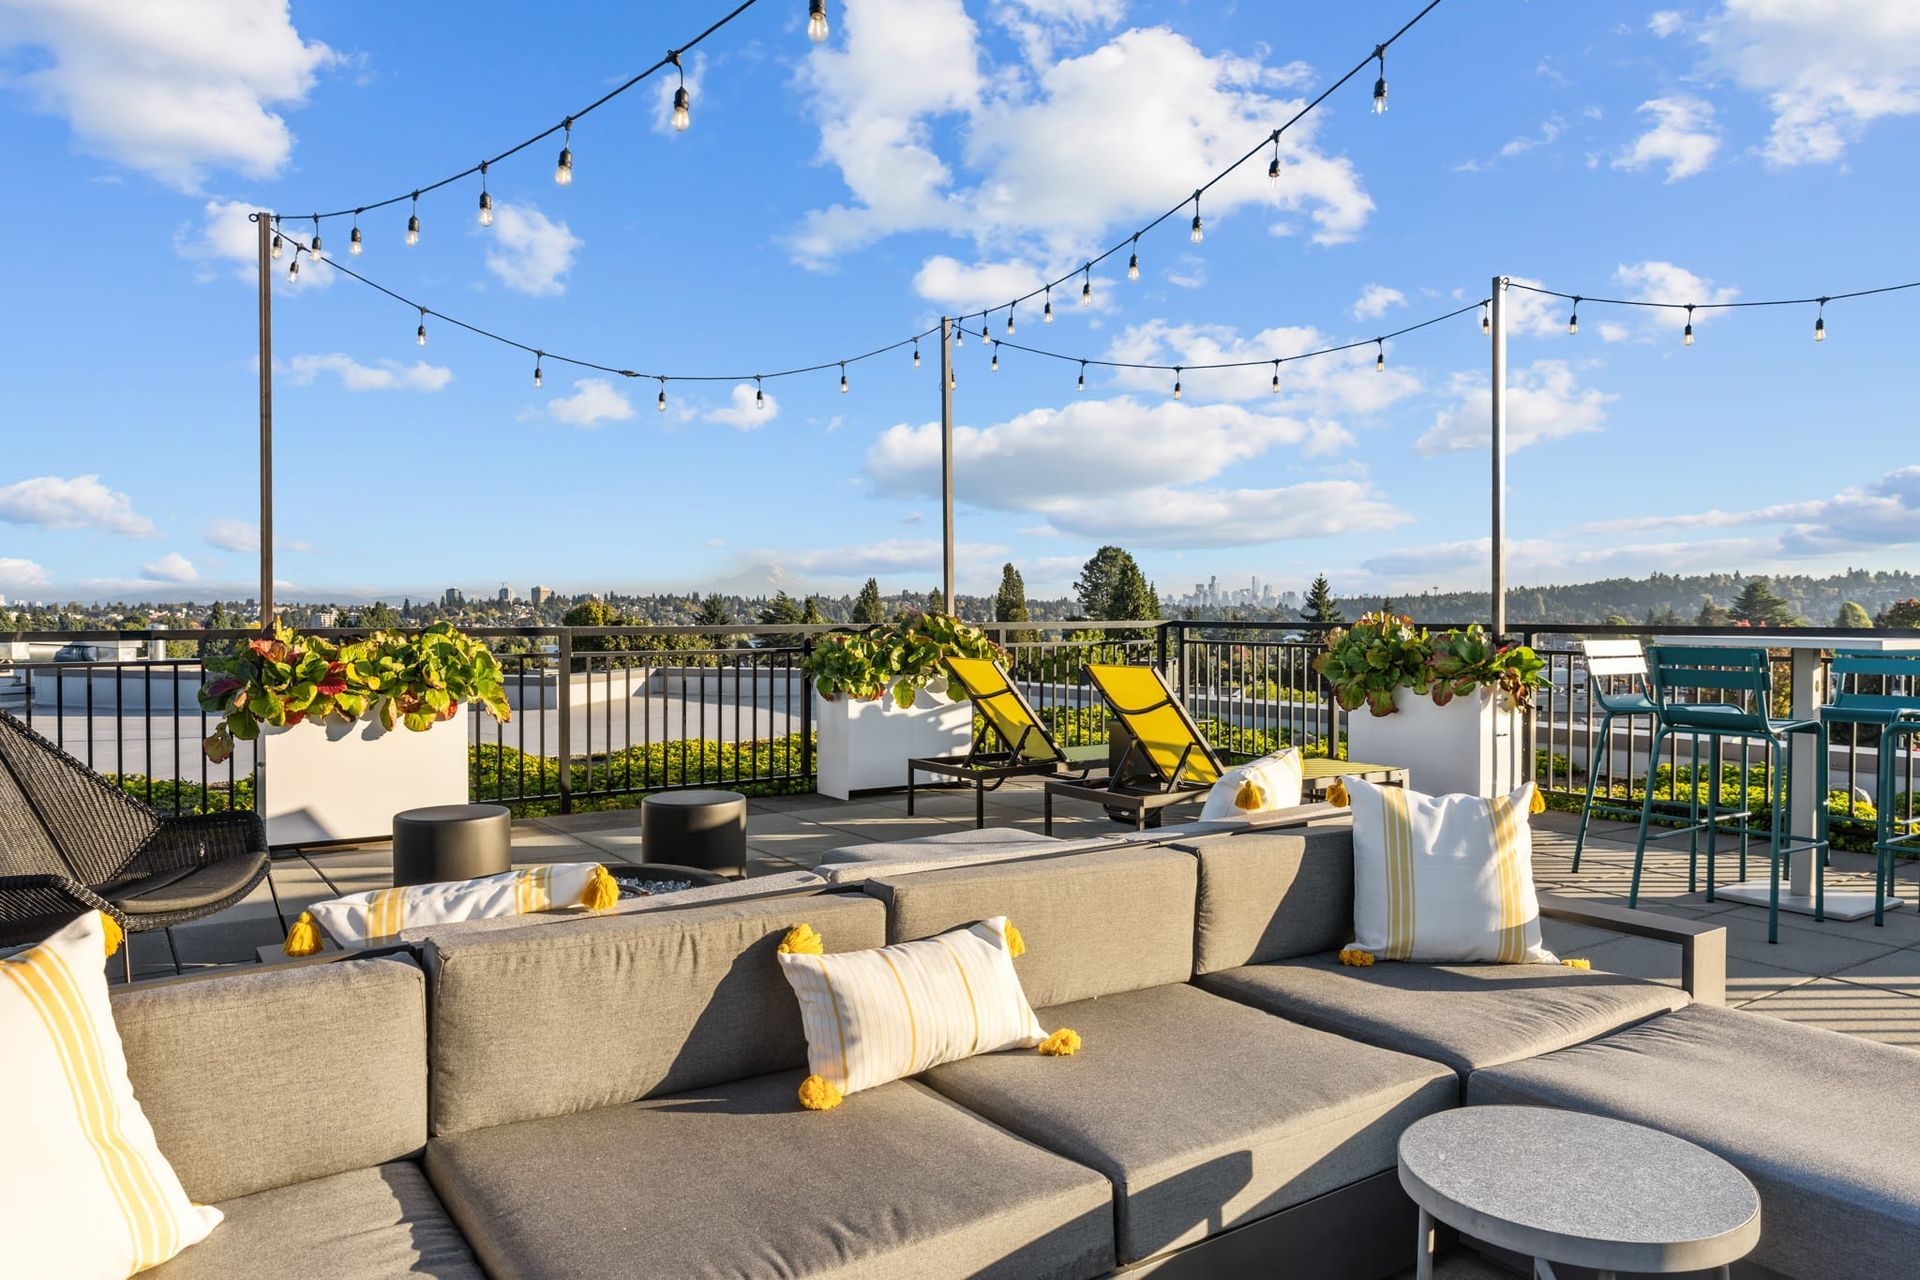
1375, 300
1544, 402
20, 575
1039, 25
225, 243
1658, 281
960, 288
174, 88
171, 567
230, 534
1828, 68
388, 375
1684, 137
1181, 518
1665, 22
1340, 383
530, 252
594, 401
1882, 514
890, 555
77, 502
742, 412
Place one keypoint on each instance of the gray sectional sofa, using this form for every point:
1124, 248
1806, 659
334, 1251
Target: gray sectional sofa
614, 1095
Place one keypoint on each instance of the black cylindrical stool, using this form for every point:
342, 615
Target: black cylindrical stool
705, 829
451, 842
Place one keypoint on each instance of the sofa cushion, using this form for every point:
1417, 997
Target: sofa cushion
257, 1080
971, 847
735, 1180
1466, 1016
1821, 1122
1095, 923
602, 1010
187, 888
1203, 1113
788, 884
1273, 895
364, 1225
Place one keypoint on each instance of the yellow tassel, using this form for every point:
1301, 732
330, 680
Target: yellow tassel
115, 935
1337, 793
304, 938
602, 890
1577, 963
1355, 957
1539, 804
801, 940
1249, 797
817, 1093
1063, 1043
1016, 945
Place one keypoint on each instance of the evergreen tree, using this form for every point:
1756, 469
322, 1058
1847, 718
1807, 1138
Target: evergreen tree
813, 616
1111, 588
782, 610
380, 616
218, 619
1010, 605
1320, 606
713, 613
1852, 617
866, 606
1758, 606
1711, 614
1900, 615
937, 600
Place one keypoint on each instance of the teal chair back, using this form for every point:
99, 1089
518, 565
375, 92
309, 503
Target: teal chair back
1743, 678
1608, 663
1882, 706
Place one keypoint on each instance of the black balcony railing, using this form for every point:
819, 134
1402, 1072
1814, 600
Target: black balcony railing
601, 713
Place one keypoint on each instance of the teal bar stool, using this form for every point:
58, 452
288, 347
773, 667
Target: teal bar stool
1746, 677
1896, 714
1617, 684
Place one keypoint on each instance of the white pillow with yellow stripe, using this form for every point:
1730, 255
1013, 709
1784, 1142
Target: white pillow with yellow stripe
892, 1012
84, 1190
373, 917
1443, 879
1258, 786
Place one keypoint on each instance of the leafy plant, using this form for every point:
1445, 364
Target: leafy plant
902, 658
281, 680
1383, 653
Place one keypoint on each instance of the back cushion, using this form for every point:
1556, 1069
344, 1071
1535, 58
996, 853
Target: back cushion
1095, 924
1273, 896
543, 1022
259, 1080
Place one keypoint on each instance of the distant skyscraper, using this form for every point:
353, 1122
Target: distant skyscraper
540, 595
453, 598
506, 595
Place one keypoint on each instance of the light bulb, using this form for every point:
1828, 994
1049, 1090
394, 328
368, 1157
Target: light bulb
316, 247
959, 334
817, 20
293, 267
563, 171
1009, 322
843, 379
661, 403
353, 242
1573, 323
1380, 360
276, 246
759, 397
1046, 312
539, 379
916, 355
1380, 96
1086, 291
1199, 232
952, 381
1273, 171
413, 229
1686, 334
1133, 266
1275, 387
1176, 384
420, 334
1820, 323
681, 117
995, 366
486, 209
1082, 385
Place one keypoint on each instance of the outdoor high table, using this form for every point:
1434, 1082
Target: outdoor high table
1803, 806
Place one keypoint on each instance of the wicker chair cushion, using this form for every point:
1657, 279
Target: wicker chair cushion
186, 889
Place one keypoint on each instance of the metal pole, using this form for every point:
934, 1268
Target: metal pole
265, 226
1499, 325
946, 462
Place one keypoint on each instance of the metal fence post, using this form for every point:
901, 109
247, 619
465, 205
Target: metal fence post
806, 707
565, 699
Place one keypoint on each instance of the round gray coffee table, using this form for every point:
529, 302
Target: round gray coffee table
1559, 1186
705, 829
451, 842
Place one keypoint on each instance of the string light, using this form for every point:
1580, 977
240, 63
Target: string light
759, 397
1199, 231
952, 380
1486, 324
276, 240
353, 240
1009, 320
660, 405
1273, 168
1380, 355
843, 377
1380, 85
1275, 387
1176, 382
1133, 259
413, 222
293, 267
995, 366
959, 334
916, 353
1083, 377
681, 117
817, 20
539, 379
1573, 317
420, 334
1046, 312
563, 170
1086, 285
314, 246
1820, 323
1686, 336
486, 200
1686, 332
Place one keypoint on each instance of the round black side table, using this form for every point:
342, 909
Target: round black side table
705, 829
451, 842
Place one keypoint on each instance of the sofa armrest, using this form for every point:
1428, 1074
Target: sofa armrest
1703, 947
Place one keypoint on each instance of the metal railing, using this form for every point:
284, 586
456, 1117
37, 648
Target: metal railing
604, 712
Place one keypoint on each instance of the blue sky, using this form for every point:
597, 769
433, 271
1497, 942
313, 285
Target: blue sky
937, 156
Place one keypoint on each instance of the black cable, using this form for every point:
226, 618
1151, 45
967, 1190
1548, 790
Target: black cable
1713, 306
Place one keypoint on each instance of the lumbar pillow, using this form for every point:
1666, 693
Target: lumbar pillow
370, 918
1443, 879
1259, 786
881, 1015
84, 1190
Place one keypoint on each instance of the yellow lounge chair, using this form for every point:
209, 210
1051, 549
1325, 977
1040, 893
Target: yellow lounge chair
1165, 758
1025, 747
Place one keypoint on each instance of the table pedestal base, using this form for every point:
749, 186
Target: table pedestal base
1848, 905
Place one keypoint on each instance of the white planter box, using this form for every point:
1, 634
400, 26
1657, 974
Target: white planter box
346, 781
1467, 747
864, 746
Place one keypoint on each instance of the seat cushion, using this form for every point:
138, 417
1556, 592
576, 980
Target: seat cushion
184, 890
735, 1180
362, 1225
1821, 1122
1466, 1015
1202, 1112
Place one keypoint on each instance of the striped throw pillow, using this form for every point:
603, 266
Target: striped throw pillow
377, 915
881, 1015
1443, 879
84, 1190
